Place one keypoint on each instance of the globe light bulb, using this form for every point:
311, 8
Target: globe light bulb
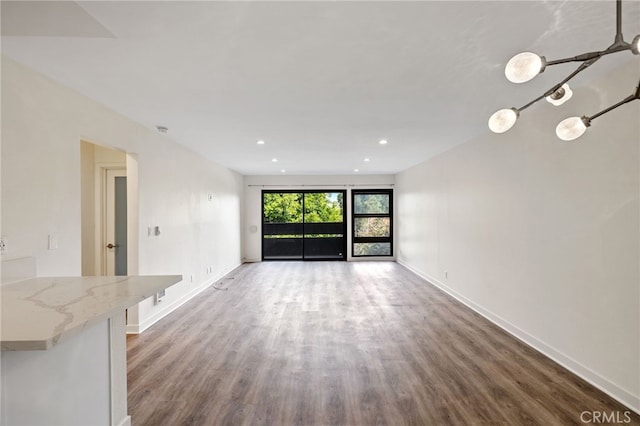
572, 128
635, 45
523, 67
560, 96
502, 120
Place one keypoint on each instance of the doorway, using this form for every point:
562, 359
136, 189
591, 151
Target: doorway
104, 210
304, 225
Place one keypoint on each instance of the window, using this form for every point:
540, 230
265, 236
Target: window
372, 223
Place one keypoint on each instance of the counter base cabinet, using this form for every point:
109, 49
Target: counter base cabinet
64, 348
80, 381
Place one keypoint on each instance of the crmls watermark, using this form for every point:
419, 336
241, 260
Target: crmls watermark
609, 417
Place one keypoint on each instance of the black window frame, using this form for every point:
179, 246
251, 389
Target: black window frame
355, 240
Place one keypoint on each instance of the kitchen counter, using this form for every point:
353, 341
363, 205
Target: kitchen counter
38, 313
64, 359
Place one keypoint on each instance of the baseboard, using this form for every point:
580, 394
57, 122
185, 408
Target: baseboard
371, 259
132, 329
624, 397
125, 422
139, 328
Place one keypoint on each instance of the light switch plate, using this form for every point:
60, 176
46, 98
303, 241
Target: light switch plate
53, 242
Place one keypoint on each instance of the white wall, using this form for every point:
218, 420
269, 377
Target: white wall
42, 126
253, 186
540, 235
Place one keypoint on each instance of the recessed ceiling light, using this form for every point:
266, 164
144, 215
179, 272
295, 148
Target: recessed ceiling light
260, 142
356, 170
366, 160
282, 171
383, 142
275, 160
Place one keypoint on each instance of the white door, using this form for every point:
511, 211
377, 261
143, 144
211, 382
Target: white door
115, 247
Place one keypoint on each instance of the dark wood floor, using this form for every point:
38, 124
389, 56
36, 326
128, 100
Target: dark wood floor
336, 343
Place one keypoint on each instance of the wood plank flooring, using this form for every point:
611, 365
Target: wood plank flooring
337, 343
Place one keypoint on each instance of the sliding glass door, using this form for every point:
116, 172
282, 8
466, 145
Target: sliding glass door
303, 225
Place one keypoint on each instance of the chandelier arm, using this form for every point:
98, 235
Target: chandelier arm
618, 21
614, 106
531, 103
614, 48
581, 68
629, 98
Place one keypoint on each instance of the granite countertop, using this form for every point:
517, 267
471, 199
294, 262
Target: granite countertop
38, 313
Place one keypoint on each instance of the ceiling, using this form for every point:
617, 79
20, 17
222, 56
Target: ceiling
321, 82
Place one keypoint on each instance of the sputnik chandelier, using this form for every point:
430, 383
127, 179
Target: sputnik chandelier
525, 66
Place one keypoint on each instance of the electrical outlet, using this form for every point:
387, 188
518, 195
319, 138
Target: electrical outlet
3, 246
159, 296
